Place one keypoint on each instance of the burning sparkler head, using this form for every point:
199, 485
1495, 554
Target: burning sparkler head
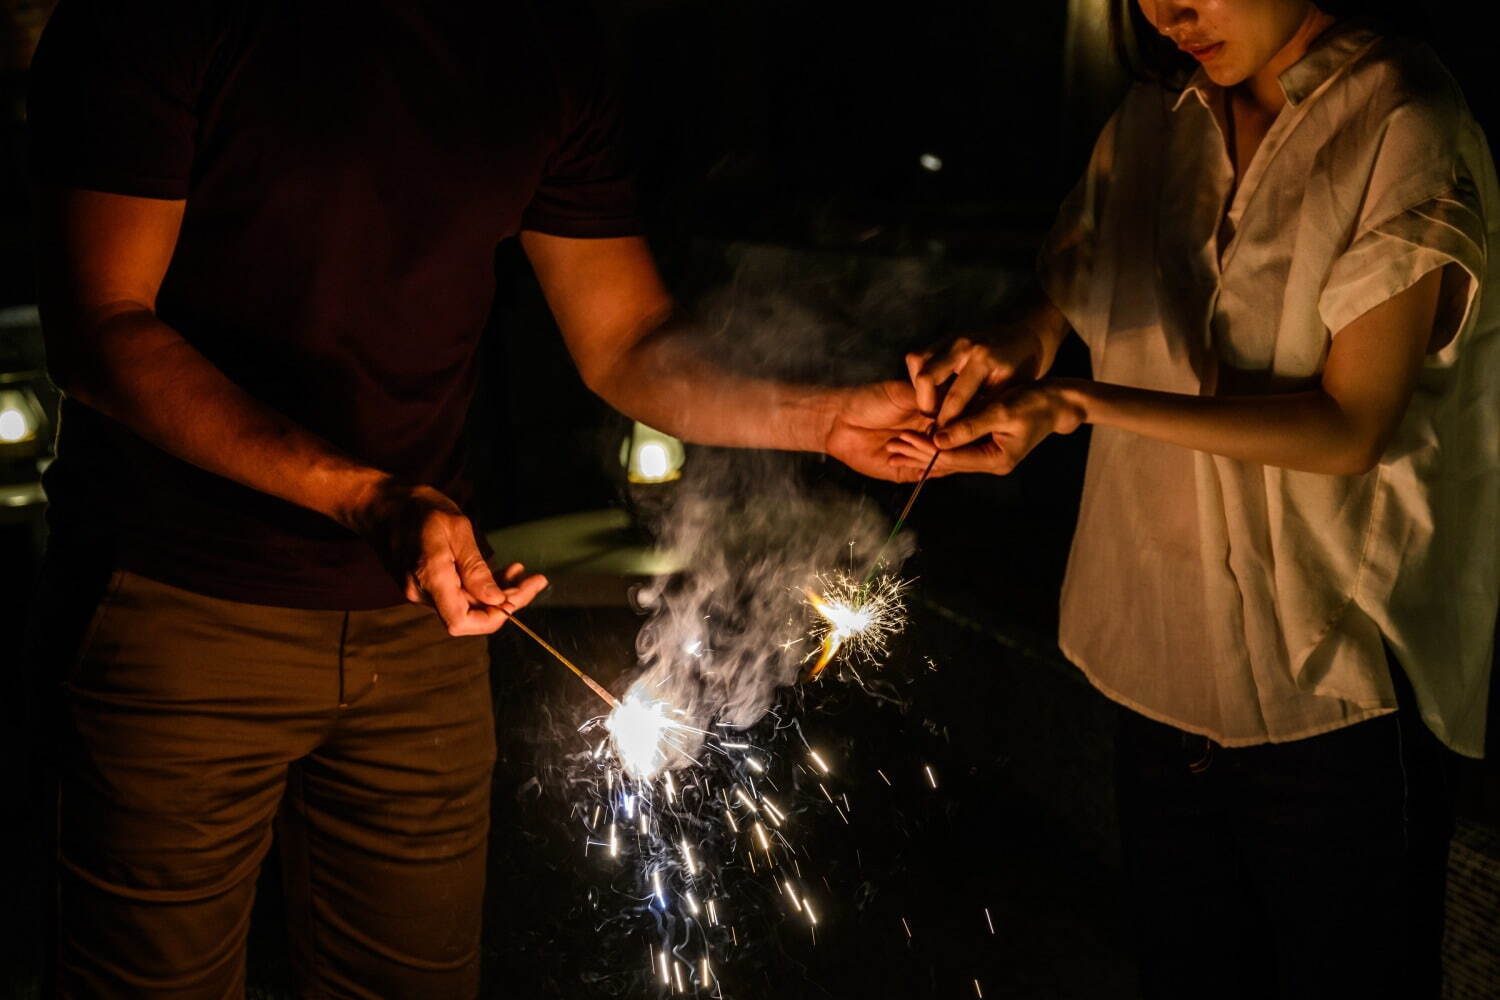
859, 616
639, 727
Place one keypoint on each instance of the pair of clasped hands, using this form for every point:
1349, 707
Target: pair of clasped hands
978, 404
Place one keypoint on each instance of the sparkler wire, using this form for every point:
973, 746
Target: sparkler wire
911, 502
594, 685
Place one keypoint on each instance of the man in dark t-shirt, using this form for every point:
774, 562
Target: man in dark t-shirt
268, 230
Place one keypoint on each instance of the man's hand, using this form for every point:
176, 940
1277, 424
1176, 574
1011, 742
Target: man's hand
867, 420
978, 363
1002, 431
428, 544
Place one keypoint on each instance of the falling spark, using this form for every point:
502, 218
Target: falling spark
883, 777
760, 834
749, 802
677, 968
666, 969
856, 616
755, 765
988, 920
614, 842
977, 991
656, 887
730, 817
687, 857
822, 764
692, 902
908, 928
811, 916
713, 913
931, 778
705, 978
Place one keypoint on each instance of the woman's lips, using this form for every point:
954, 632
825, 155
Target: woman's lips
1203, 53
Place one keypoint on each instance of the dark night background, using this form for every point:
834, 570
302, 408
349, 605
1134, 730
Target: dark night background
780, 147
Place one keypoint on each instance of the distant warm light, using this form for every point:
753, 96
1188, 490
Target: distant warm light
649, 456
14, 427
931, 162
653, 463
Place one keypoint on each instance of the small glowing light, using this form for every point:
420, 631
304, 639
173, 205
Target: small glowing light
14, 427
652, 461
930, 162
649, 456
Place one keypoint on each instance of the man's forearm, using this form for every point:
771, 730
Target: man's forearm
143, 374
665, 380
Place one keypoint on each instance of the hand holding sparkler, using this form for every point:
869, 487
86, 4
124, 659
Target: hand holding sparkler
425, 542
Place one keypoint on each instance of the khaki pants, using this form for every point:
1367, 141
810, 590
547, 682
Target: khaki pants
191, 725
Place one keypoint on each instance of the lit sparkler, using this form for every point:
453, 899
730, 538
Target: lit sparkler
858, 616
645, 735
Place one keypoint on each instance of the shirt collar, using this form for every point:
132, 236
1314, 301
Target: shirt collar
1330, 52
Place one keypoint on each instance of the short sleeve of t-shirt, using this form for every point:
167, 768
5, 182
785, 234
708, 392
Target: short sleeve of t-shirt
588, 184
115, 89
1421, 212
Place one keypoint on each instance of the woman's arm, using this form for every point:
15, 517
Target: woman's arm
1340, 428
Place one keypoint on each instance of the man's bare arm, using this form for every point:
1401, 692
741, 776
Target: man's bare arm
102, 260
616, 318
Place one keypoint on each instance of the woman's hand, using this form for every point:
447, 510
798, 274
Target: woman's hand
977, 364
999, 434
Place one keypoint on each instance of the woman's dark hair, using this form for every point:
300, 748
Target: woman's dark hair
1147, 55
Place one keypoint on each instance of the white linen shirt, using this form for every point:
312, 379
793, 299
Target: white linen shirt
1249, 603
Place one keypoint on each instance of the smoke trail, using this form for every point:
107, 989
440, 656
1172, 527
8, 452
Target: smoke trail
727, 632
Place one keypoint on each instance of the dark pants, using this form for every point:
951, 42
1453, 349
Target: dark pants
189, 726
1307, 869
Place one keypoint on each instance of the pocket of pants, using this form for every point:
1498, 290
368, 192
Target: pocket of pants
96, 620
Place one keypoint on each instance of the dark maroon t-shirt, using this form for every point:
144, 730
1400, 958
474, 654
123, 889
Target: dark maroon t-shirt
349, 170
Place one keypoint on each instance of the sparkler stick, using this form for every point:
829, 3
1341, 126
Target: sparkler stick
911, 501
594, 685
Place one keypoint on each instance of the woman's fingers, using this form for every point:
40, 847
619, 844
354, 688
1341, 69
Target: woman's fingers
931, 368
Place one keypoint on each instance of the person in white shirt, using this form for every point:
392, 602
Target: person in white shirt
1285, 565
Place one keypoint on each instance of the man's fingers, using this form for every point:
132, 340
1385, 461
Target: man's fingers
525, 591
473, 571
